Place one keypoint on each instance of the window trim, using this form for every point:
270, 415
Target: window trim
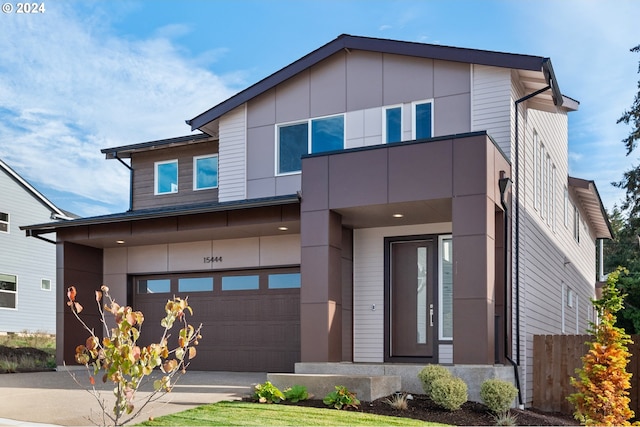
414, 104
42, 283
536, 170
385, 136
195, 171
309, 123
155, 177
576, 224
15, 308
441, 239
7, 222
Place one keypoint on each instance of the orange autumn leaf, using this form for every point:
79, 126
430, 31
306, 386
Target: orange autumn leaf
71, 293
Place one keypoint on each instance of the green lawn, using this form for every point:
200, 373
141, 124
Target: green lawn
256, 414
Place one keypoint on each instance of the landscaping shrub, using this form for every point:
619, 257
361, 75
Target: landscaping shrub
498, 395
296, 393
602, 396
341, 398
268, 393
449, 393
429, 374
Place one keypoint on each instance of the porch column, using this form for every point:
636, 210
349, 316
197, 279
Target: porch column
321, 292
473, 280
475, 181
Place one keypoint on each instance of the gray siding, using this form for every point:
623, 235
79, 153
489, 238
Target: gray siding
28, 258
358, 84
143, 177
233, 156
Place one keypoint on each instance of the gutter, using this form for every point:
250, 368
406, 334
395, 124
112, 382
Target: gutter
130, 180
504, 183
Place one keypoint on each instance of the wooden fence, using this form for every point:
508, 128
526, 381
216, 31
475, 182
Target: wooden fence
555, 360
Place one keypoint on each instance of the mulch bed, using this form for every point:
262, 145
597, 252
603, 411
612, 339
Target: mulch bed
471, 413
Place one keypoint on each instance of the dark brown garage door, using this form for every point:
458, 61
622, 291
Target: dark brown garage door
251, 319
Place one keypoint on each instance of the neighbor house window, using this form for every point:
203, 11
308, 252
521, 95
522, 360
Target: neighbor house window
422, 120
4, 222
166, 177
392, 124
566, 207
311, 136
543, 182
8, 291
445, 279
45, 284
205, 172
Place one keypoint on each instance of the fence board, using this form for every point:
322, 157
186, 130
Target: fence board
555, 360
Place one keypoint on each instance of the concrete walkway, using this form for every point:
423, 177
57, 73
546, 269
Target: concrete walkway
53, 398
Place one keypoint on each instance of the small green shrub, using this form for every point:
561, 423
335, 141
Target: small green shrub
268, 393
449, 393
296, 393
498, 395
8, 366
341, 398
429, 374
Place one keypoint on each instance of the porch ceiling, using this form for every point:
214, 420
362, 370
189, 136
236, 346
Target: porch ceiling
418, 212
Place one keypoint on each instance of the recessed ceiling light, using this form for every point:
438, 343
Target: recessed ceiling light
283, 228
120, 242
398, 215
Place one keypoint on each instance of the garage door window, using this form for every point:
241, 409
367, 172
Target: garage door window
195, 284
240, 283
154, 286
284, 281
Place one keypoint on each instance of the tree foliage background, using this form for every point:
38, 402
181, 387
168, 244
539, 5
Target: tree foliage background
624, 249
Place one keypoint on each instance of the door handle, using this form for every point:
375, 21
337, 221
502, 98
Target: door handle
430, 314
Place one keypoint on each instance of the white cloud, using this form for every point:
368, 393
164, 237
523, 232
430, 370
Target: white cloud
70, 88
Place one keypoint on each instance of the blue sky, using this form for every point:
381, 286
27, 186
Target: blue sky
88, 75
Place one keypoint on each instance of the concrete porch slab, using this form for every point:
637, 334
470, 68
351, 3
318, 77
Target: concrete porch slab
366, 387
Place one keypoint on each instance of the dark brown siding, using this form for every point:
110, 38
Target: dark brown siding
143, 166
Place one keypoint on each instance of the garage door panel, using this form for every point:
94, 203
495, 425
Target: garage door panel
243, 330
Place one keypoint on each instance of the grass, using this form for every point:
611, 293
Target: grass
256, 414
14, 359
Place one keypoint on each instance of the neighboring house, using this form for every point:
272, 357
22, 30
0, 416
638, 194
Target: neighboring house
27, 266
380, 202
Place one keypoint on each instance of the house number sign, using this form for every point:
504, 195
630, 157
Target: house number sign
210, 259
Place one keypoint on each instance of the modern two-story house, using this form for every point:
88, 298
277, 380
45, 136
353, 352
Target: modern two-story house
376, 203
27, 266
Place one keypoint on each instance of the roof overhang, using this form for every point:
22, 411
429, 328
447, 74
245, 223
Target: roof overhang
589, 199
125, 151
535, 72
116, 221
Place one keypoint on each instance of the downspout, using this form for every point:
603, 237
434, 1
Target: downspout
516, 237
504, 183
130, 181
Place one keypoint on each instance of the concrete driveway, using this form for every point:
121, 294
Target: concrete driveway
54, 398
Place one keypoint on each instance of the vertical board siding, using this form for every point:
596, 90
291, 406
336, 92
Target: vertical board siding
144, 172
555, 360
30, 259
491, 104
233, 156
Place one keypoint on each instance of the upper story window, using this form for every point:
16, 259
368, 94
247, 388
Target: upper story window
4, 222
8, 290
422, 119
576, 224
166, 177
205, 172
311, 136
392, 121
